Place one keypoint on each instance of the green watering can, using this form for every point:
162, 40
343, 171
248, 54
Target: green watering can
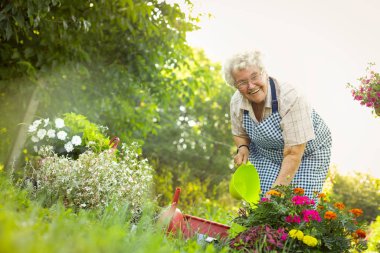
245, 184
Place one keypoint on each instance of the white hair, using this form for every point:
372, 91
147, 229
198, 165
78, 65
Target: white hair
240, 61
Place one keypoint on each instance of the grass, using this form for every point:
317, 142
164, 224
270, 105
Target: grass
26, 226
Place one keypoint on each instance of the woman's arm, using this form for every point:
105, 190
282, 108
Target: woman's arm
242, 152
290, 164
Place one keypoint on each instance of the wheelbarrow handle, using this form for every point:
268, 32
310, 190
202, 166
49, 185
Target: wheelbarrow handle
175, 199
114, 142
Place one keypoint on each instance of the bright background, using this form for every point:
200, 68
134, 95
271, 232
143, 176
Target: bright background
318, 46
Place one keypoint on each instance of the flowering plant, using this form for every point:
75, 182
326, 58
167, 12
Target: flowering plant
94, 180
311, 225
368, 91
71, 135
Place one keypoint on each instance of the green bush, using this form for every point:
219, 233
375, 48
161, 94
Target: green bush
93, 180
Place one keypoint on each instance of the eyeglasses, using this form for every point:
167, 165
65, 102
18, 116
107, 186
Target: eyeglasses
255, 77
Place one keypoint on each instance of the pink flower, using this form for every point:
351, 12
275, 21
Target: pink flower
369, 104
293, 219
378, 94
264, 200
357, 97
302, 200
309, 215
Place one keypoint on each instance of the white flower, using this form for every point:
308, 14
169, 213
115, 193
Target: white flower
61, 135
41, 133
32, 128
51, 133
83, 205
35, 139
76, 140
35, 149
69, 147
36, 123
59, 123
46, 122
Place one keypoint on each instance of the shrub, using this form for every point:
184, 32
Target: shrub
93, 180
69, 136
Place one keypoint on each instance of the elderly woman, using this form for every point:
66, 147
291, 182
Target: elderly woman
275, 129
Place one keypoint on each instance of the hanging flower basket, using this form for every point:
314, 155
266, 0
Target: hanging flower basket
368, 90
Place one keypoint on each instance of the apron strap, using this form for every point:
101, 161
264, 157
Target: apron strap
274, 96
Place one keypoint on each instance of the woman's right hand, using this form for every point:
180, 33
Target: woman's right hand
242, 156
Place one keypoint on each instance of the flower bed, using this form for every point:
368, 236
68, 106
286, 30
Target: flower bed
289, 221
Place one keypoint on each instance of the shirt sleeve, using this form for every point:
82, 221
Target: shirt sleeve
296, 123
237, 118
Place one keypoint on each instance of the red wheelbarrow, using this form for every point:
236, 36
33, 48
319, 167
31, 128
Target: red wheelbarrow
188, 225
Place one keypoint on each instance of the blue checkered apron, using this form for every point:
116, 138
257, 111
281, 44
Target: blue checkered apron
267, 145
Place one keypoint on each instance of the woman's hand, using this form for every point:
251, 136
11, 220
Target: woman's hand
242, 156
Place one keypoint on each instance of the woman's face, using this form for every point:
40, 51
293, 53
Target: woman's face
251, 84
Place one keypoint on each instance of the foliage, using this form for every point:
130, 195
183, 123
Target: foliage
260, 239
374, 236
116, 62
368, 91
328, 228
358, 189
26, 227
93, 180
70, 136
194, 140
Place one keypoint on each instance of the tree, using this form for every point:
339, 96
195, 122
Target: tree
108, 60
358, 191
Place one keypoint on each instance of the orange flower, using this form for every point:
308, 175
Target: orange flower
274, 193
321, 195
339, 205
330, 215
360, 233
299, 191
356, 212
320, 207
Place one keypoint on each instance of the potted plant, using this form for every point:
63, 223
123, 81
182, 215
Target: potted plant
368, 90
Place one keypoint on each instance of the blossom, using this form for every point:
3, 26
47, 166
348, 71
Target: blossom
59, 123
299, 191
293, 219
41, 133
339, 205
302, 200
321, 195
32, 128
274, 193
309, 215
329, 215
356, 212
69, 147
61, 135
36, 123
35, 139
51, 133
76, 140
294, 233
360, 233
310, 241
265, 200
46, 122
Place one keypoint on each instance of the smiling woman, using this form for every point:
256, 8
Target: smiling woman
275, 128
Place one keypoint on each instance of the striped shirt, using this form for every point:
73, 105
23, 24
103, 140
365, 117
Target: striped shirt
296, 122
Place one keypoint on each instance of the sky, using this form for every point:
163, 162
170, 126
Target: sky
319, 47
